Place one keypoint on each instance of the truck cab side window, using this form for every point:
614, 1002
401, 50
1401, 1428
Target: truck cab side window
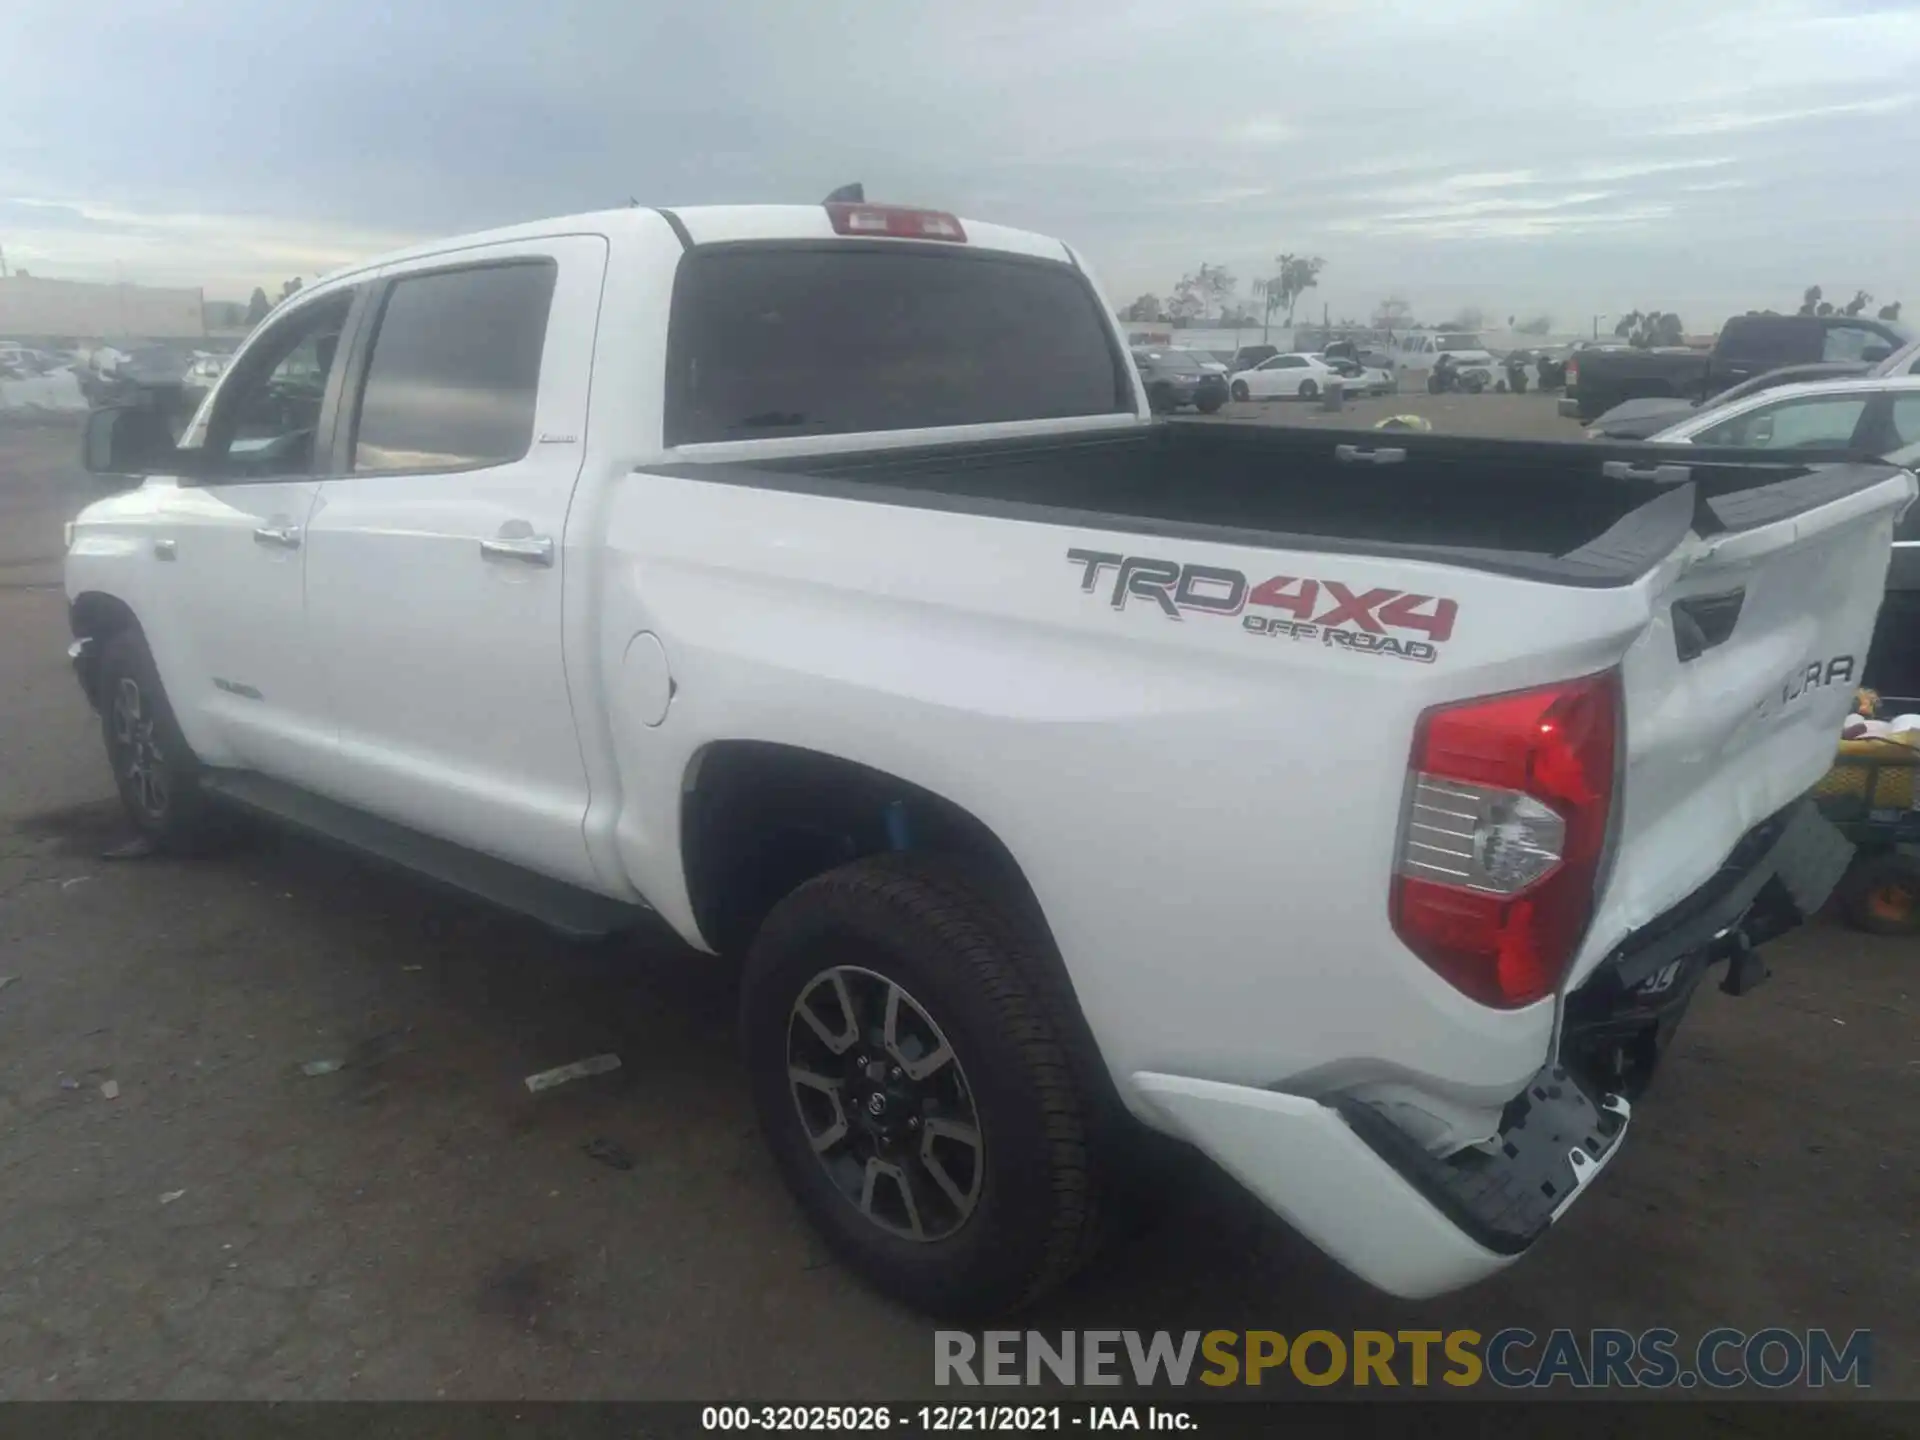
265, 425
455, 370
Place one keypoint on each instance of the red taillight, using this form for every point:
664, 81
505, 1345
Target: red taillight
895, 221
1505, 826
1573, 373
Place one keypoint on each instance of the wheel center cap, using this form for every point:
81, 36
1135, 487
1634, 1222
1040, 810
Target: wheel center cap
876, 1104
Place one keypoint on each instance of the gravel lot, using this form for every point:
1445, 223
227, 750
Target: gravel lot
416, 1225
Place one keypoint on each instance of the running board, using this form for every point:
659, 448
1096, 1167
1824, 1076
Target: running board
567, 909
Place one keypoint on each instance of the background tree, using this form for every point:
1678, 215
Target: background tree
1647, 328
1147, 307
1814, 302
1536, 325
1297, 275
1468, 317
290, 288
1188, 303
1207, 291
258, 306
1393, 313
1268, 293
1217, 286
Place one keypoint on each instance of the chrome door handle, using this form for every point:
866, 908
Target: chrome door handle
528, 550
287, 537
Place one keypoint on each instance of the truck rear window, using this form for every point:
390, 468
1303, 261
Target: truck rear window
810, 339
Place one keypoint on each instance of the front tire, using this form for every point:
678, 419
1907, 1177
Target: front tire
916, 1076
1308, 389
1209, 405
1240, 391
154, 769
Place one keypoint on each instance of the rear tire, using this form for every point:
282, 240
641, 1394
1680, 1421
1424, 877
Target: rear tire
1209, 405
154, 769
1240, 391
1308, 389
932, 944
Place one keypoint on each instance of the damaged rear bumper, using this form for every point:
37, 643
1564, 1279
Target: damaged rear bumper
1373, 1200
1416, 1224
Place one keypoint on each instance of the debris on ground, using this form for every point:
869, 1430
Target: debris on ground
67, 1082
609, 1153
170, 1196
321, 1067
411, 968
6, 980
76, 880
578, 1070
110, 1090
135, 849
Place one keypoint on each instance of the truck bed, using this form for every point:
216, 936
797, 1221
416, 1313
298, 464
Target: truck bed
1569, 513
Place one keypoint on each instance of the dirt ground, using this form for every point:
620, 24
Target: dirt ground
415, 1224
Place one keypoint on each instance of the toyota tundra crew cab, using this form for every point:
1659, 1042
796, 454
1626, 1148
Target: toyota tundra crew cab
1360, 811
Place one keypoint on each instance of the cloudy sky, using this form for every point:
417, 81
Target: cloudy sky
1525, 156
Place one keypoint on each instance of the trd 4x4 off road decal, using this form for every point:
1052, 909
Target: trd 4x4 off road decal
1308, 609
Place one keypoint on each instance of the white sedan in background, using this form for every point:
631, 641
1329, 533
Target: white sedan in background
1302, 375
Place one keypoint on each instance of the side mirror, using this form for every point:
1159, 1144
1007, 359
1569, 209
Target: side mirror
1874, 354
125, 442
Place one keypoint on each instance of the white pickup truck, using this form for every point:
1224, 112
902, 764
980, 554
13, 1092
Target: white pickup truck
1360, 810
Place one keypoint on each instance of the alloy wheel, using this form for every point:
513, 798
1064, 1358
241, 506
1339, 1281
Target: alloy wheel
885, 1104
141, 759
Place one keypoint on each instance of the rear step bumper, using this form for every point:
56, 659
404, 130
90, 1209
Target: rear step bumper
1375, 1201
1417, 1225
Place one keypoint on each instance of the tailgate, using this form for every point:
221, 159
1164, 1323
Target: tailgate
1736, 692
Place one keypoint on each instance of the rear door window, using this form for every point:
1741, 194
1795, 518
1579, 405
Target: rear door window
802, 339
1852, 342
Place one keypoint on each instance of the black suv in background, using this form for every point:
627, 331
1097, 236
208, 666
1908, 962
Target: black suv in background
1748, 345
1173, 379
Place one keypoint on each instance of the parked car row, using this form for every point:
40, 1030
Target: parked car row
1748, 345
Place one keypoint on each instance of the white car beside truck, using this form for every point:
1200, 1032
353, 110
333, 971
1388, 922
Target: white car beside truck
817, 580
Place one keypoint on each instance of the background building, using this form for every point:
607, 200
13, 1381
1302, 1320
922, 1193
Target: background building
35, 309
